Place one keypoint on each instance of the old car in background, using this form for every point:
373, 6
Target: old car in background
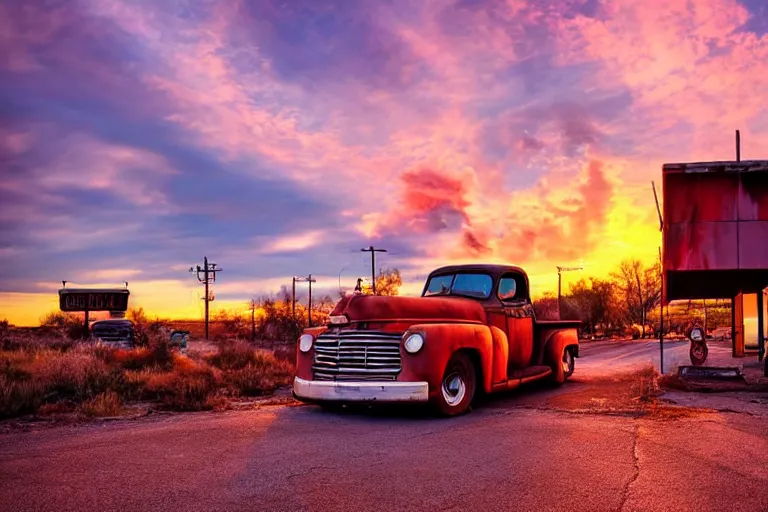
117, 332
472, 331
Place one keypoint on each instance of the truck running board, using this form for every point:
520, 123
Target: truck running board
525, 375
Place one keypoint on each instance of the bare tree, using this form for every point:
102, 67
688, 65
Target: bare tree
594, 301
545, 307
639, 288
388, 282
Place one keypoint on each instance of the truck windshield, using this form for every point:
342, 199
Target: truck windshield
469, 285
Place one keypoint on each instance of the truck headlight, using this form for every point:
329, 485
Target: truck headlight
413, 343
305, 342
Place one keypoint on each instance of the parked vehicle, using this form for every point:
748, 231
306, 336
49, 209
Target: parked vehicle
472, 331
117, 332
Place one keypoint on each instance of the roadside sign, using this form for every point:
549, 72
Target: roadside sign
93, 299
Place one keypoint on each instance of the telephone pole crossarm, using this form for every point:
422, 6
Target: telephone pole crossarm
209, 271
373, 252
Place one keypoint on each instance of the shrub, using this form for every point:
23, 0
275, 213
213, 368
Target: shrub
647, 385
158, 354
104, 404
39, 338
263, 373
233, 355
20, 396
187, 388
75, 374
148, 333
73, 325
254, 380
98, 379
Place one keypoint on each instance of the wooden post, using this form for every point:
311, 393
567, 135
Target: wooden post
205, 273
253, 320
760, 327
309, 305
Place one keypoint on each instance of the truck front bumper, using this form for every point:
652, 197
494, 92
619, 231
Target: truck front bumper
363, 391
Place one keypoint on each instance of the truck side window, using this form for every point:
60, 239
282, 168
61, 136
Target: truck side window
507, 288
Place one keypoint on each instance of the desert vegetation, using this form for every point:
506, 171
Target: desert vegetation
47, 372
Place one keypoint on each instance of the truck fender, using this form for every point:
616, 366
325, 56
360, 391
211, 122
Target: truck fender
553, 350
441, 341
304, 360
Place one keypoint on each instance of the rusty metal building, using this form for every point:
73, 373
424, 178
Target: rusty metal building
715, 241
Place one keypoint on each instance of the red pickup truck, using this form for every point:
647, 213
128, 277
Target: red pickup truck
472, 331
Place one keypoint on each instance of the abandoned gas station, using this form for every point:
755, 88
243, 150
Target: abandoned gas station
715, 242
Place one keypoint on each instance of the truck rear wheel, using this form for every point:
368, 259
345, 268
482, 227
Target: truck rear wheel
562, 367
569, 363
457, 387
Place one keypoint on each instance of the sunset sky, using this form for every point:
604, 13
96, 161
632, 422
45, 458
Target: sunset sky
280, 137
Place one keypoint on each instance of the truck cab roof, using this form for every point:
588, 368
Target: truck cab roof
491, 292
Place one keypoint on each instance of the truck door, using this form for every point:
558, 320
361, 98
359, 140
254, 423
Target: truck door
513, 295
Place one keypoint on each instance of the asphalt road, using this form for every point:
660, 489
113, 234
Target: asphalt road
516, 452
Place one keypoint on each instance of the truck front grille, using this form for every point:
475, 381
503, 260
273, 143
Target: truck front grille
357, 355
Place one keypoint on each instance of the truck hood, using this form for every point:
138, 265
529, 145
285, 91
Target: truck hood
383, 308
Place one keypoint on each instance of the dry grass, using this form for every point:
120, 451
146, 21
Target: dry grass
250, 371
646, 386
37, 378
102, 405
234, 355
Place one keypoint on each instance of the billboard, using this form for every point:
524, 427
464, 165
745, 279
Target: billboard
75, 299
715, 234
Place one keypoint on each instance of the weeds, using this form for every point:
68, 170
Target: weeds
102, 405
234, 355
647, 384
42, 376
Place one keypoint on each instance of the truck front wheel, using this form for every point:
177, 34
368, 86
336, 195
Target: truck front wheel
457, 388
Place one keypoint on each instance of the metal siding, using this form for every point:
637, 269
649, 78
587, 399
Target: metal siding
700, 198
701, 246
753, 196
752, 245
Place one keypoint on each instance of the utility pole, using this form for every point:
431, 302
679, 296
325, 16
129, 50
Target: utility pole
661, 316
253, 319
373, 252
309, 280
560, 270
309, 311
209, 276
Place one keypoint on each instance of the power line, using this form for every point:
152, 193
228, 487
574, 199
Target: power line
209, 277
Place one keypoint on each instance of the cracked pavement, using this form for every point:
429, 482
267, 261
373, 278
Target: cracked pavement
531, 449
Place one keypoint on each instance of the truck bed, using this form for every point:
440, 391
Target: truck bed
555, 324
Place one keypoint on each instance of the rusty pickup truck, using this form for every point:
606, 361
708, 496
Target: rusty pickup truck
472, 331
